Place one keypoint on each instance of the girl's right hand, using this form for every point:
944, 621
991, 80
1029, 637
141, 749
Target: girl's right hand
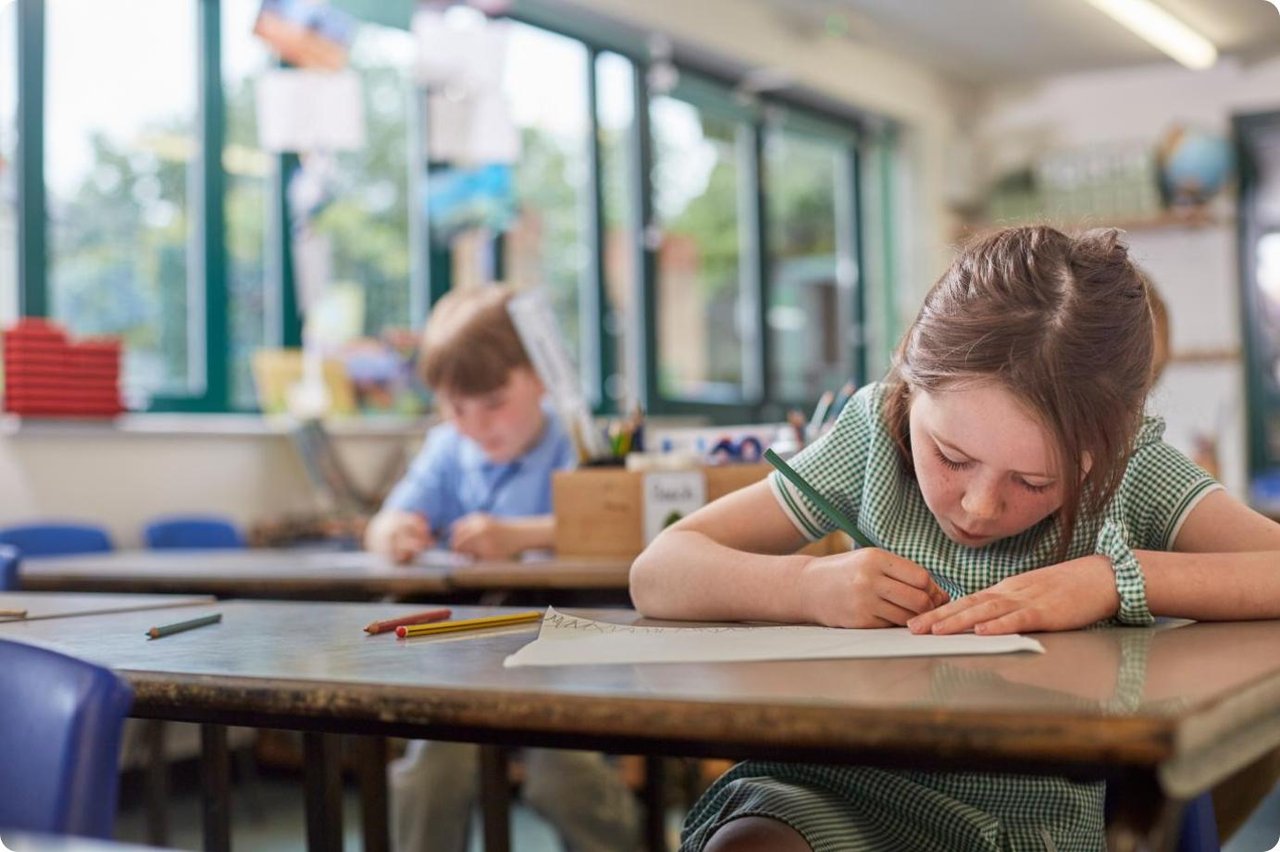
398, 536
868, 587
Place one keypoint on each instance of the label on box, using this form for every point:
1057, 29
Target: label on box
669, 496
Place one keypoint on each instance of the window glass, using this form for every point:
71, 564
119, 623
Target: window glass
252, 292
806, 314
8, 172
365, 215
696, 203
615, 106
545, 82
120, 142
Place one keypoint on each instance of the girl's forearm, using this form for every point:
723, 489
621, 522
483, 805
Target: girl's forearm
1212, 586
686, 575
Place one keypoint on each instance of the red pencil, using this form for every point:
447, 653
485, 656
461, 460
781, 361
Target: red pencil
416, 618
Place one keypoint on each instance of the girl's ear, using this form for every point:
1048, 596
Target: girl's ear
1086, 464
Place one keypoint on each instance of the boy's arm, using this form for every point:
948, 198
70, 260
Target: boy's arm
488, 537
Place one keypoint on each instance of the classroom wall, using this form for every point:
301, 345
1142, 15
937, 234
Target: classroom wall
1194, 268
120, 477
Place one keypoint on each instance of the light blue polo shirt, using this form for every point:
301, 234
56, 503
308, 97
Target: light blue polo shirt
451, 477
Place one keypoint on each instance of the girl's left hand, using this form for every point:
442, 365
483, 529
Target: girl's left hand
483, 536
1065, 596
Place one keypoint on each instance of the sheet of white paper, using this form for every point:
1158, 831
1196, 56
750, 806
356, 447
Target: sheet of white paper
569, 640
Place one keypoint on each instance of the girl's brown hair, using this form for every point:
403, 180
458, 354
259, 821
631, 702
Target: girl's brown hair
470, 345
1062, 323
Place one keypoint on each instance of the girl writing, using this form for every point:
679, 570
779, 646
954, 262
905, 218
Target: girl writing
1009, 481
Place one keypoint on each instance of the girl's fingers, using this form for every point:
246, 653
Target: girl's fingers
892, 614
906, 597
981, 611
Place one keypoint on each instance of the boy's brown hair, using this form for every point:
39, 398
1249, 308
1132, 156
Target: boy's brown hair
469, 344
1065, 325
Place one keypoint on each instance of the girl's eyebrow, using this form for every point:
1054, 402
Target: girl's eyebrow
953, 448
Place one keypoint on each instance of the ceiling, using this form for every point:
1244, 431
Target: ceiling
995, 41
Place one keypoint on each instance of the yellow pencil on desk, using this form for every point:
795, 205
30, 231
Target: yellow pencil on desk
13, 613
408, 630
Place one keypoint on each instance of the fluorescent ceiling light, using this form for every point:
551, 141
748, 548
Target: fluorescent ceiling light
1163, 30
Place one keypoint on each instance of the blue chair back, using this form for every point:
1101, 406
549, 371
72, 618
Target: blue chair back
60, 724
9, 560
56, 539
192, 531
1199, 829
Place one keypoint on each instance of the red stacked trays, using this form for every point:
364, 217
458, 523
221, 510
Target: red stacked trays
47, 375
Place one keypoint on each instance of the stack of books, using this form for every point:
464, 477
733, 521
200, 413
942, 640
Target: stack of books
49, 375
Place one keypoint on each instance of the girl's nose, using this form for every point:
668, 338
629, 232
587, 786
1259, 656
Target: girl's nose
982, 500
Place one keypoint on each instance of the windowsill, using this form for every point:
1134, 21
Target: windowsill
204, 425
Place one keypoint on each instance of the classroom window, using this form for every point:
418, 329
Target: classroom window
8, 170
364, 213
546, 88
696, 188
252, 261
615, 79
807, 311
119, 146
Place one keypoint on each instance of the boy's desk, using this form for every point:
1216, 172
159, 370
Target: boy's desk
1163, 714
40, 605
332, 575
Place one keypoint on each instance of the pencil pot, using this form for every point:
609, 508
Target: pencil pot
603, 512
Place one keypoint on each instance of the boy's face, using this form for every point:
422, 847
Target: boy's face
985, 466
506, 422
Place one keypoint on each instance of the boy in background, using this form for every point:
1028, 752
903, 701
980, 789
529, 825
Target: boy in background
482, 485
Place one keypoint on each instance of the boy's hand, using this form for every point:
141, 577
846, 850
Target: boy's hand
868, 587
1065, 596
397, 535
484, 537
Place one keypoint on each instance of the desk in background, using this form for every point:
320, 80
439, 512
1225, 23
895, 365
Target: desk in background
1163, 715
322, 575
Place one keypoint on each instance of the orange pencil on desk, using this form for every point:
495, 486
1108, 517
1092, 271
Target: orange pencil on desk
469, 624
13, 613
425, 617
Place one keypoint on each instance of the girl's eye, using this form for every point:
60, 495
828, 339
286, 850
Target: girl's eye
950, 463
1035, 489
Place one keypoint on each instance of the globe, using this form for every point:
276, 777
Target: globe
1194, 165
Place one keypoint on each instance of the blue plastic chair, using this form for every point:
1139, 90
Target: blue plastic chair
60, 725
1198, 830
9, 560
56, 539
192, 532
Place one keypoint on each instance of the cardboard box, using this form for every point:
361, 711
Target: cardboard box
600, 512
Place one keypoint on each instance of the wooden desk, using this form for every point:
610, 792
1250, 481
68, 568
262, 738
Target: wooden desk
64, 604
1163, 715
264, 573
239, 573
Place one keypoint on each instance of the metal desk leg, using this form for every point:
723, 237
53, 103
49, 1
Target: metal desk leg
215, 781
324, 791
1142, 818
157, 782
655, 796
371, 766
495, 799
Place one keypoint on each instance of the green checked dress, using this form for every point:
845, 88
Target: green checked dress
844, 808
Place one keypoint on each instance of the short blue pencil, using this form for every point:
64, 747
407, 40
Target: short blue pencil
818, 500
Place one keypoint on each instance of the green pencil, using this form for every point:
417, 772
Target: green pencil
821, 502
179, 627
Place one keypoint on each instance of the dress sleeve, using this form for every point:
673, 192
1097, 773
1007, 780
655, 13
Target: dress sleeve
835, 465
1161, 486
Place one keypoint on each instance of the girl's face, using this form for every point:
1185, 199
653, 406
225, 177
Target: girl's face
985, 465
